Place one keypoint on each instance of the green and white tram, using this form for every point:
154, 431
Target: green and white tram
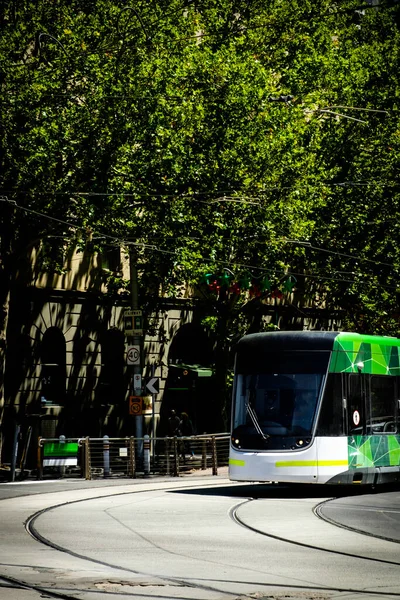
316, 407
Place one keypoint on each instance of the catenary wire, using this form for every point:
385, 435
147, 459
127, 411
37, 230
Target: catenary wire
127, 242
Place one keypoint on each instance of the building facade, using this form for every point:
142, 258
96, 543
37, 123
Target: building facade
67, 367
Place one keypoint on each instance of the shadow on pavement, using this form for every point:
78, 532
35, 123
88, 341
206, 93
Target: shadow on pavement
274, 491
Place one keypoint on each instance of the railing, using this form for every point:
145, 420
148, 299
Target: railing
105, 457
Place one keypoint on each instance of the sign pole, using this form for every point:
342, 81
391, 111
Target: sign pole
136, 339
153, 413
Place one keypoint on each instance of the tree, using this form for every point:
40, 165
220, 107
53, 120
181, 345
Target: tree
209, 137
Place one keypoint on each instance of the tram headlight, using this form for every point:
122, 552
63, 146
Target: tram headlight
236, 442
300, 443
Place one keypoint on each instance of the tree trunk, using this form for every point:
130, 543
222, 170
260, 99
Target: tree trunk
222, 352
5, 287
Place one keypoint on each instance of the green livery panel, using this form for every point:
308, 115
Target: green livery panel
374, 451
378, 355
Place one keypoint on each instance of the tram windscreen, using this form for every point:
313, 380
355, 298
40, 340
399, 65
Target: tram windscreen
277, 410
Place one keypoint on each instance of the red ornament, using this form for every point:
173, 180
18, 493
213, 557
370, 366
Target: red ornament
255, 290
235, 289
276, 293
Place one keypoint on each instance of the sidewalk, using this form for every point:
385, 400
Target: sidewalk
31, 485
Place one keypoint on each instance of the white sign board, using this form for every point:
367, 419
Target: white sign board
137, 382
153, 385
133, 355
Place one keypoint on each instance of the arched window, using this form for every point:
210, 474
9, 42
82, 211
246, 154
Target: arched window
53, 361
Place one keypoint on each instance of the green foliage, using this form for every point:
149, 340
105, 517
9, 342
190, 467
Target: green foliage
156, 124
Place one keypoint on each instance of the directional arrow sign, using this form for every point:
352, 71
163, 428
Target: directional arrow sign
153, 385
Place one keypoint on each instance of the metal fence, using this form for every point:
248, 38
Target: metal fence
93, 458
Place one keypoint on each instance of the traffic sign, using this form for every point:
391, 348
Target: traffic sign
153, 385
137, 382
133, 355
135, 405
133, 313
133, 322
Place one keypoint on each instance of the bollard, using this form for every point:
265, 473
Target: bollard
61, 468
132, 458
214, 455
88, 459
40, 458
106, 456
14, 452
167, 451
25, 450
204, 455
146, 455
176, 457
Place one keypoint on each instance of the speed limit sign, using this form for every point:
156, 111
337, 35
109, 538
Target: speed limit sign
133, 355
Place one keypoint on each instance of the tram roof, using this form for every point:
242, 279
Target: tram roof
308, 340
295, 340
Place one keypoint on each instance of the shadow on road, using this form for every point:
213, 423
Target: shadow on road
284, 491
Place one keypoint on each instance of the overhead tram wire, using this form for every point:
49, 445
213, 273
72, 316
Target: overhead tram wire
126, 241
244, 29
317, 249
222, 194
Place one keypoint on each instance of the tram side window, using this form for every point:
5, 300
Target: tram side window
330, 420
383, 404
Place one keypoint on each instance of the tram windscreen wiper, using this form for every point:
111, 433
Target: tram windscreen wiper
254, 418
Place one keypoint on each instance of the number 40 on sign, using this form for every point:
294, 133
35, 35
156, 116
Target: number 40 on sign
133, 355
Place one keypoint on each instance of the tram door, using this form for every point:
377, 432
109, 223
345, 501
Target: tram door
356, 404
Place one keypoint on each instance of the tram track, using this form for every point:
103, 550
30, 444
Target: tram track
30, 526
44, 592
34, 533
235, 517
318, 512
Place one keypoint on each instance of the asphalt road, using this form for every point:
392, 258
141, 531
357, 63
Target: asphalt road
199, 537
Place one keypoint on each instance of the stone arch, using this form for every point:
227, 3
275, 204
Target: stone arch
190, 381
190, 345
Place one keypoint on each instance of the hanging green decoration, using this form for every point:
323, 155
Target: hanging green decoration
206, 278
266, 285
245, 281
290, 283
226, 278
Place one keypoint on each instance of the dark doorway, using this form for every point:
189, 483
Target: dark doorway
53, 371
190, 383
111, 388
